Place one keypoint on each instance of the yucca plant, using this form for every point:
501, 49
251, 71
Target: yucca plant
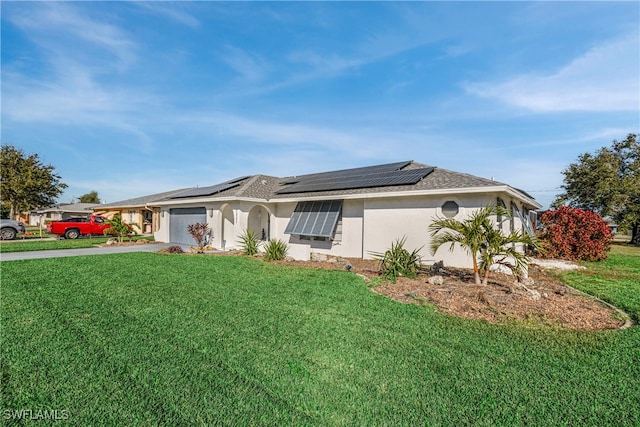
275, 250
249, 242
398, 261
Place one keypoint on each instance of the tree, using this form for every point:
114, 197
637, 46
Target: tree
503, 250
119, 228
607, 183
91, 197
25, 182
482, 240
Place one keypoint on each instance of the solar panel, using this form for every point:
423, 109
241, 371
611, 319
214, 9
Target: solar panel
328, 182
314, 218
366, 170
210, 190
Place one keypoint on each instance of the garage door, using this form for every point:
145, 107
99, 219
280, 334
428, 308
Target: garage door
180, 219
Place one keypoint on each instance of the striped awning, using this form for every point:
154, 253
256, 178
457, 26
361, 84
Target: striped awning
315, 218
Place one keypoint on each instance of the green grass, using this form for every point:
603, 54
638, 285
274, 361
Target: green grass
149, 339
615, 280
48, 245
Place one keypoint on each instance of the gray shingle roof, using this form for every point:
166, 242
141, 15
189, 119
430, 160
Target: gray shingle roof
439, 179
141, 201
266, 187
70, 208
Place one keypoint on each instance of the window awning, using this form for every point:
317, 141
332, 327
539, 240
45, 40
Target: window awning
316, 218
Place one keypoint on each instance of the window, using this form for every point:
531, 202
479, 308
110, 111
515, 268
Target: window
315, 219
450, 209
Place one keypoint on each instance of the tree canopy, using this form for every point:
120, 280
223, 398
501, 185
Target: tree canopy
91, 197
25, 182
608, 183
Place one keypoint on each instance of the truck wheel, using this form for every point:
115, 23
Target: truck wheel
71, 234
8, 234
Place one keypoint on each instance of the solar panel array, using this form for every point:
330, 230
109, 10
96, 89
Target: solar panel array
210, 190
365, 170
314, 218
357, 178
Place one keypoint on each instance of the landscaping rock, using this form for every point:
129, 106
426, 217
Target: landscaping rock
314, 256
435, 280
534, 295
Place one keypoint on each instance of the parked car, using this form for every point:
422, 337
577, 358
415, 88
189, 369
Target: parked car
72, 228
9, 229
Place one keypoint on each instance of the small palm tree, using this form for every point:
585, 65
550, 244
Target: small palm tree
479, 237
503, 250
118, 227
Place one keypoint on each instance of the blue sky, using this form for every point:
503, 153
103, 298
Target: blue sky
134, 98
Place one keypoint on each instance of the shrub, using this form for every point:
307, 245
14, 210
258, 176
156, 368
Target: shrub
199, 231
574, 234
275, 250
175, 249
397, 261
249, 242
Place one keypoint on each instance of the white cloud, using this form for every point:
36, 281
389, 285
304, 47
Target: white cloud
47, 23
173, 12
605, 78
252, 69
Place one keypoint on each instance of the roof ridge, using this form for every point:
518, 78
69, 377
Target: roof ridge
246, 185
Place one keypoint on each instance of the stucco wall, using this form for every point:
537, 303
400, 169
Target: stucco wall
368, 225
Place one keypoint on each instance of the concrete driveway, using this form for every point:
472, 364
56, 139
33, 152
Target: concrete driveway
151, 247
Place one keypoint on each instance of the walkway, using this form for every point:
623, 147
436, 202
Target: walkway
151, 247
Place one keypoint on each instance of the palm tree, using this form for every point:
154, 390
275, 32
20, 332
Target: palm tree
503, 250
119, 228
479, 237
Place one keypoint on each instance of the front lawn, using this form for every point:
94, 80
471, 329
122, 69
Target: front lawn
50, 245
615, 280
150, 339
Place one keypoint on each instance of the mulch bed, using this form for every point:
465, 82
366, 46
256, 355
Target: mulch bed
546, 301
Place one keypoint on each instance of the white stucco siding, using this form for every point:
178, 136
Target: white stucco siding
387, 220
348, 244
368, 225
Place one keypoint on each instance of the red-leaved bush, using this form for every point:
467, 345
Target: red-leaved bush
574, 234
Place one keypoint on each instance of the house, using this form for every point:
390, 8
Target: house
141, 211
57, 213
347, 213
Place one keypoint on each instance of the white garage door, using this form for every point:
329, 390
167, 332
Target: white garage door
180, 219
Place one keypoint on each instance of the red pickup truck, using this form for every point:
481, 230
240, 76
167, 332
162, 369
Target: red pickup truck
72, 228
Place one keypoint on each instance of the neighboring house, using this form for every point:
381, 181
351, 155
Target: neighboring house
347, 213
140, 210
57, 213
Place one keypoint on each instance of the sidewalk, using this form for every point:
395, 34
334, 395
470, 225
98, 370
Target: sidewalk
151, 247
